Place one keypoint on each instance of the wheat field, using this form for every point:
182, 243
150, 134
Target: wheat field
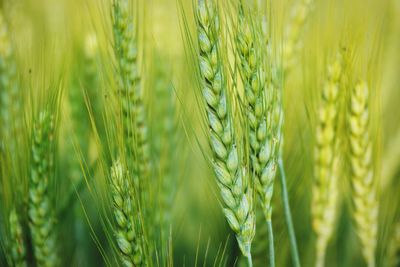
199, 133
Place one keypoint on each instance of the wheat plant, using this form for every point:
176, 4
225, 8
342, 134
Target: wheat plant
128, 77
293, 30
181, 133
42, 222
132, 109
362, 171
327, 157
10, 99
230, 173
258, 91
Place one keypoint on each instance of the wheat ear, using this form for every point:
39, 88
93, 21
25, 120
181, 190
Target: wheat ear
17, 243
133, 113
293, 30
10, 101
326, 159
167, 146
249, 38
127, 230
133, 110
41, 215
362, 175
231, 177
261, 140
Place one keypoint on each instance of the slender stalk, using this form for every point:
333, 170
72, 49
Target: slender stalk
249, 261
271, 244
288, 215
320, 257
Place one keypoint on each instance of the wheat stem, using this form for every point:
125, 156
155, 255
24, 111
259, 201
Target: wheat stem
249, 261
271, 244
288, 215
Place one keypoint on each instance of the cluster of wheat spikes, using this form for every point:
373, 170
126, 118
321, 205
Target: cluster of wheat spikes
329, 153
262, 105
92, 177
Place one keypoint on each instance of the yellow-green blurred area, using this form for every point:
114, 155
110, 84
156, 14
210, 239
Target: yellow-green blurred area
52, 39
